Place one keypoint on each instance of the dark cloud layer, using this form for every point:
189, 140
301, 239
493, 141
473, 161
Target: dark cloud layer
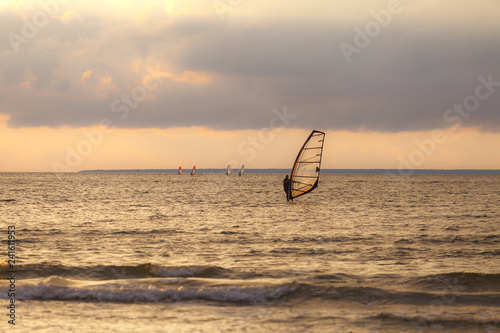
407, 78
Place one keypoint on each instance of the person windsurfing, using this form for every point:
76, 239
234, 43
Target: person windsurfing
287, 187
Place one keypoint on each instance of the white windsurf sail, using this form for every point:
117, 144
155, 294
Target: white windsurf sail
305, 171
180, 171
193, 171
228, 170
242, 170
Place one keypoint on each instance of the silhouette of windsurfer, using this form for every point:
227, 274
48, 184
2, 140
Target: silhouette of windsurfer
287, 188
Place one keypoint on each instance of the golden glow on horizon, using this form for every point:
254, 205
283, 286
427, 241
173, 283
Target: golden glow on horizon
36, 149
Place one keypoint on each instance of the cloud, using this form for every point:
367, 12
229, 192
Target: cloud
97, 84
231, 74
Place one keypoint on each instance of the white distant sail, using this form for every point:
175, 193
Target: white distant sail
180, 171
305, 171
193, 171
228, 170
242, 170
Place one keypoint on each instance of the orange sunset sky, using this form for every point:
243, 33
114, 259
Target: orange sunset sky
162, 84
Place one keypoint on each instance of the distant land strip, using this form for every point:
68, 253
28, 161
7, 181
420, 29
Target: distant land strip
286, 171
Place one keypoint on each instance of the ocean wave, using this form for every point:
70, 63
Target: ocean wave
444, 321
152, 291
329, 240
466, 239
147, 232
44, 281
490, 253
460, 282
107, 272
369, 294
189, 271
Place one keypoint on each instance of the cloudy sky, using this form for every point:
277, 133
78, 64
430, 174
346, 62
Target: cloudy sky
122, 84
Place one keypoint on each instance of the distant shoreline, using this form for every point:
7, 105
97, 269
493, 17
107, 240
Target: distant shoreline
286, 171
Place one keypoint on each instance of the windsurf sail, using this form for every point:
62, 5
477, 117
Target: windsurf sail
228, 170
242, 170
305, 171
180, 171
193, 171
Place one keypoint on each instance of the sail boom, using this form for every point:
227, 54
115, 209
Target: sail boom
311, 148
305, 162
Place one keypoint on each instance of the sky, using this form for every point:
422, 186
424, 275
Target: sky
122, 84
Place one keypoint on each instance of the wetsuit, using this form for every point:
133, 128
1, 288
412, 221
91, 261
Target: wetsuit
286, 188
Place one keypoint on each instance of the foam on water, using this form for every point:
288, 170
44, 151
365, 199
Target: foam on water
147, 291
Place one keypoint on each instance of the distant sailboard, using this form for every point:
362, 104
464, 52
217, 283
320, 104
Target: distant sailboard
242, 170
305, 171
228, 170
193, 171
180, 171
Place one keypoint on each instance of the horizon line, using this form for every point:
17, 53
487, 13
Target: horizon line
287, 170
282, 170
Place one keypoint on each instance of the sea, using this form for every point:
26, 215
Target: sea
160, 252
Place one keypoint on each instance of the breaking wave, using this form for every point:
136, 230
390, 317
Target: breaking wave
106, 272
152, 291
442, 321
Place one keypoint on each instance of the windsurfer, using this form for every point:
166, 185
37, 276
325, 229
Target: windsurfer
286, 188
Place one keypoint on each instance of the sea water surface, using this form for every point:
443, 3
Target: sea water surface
136, 252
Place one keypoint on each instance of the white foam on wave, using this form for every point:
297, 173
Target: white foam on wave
59, 281
185, 271
141, 292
